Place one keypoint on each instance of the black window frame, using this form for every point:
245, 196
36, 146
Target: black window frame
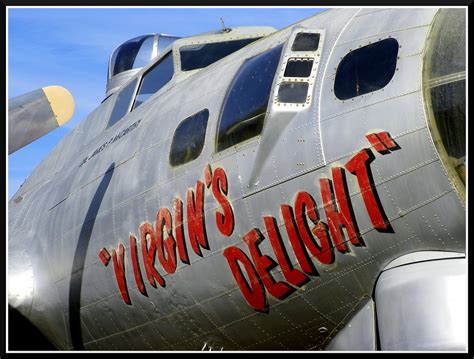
197, 135
364, 70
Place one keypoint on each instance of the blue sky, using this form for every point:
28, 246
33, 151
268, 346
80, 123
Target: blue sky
70, 47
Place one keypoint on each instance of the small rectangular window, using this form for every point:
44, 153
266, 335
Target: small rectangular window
155, 78
298, 67
122, 103
293, 92
188, 139
305, 42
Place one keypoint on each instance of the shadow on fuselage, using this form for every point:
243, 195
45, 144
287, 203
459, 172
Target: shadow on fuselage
80, 258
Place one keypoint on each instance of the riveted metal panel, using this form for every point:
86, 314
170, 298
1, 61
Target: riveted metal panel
244, 332
46, 308
131, 340
359, 334
386, 21
215, 281
86, 335
440, 224
59, 257
103, 344
370, 10
173, 332
407, 79
130, 178
329, 300
62, 287
398, 116
412, 190
411, 42
225, 308
105, 324
102, 282
290, 143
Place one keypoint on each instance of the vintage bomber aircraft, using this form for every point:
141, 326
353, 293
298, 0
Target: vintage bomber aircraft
252, 189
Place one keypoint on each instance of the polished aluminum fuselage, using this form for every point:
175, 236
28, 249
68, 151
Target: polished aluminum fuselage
69, 212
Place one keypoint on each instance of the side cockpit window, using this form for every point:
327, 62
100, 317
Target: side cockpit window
122, 103
154, 79
246, 101
367, 69
188, 139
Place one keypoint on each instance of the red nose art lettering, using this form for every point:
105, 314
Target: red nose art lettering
253, 290
162, 242
264, 264
104, 256
136, 267
294, 236
292, 275
344, 218
179, 231
166, 247
148, 239
312, 240
382, 142
339, 214
196, 228
305, 206
225, 221
119, 268
358, 165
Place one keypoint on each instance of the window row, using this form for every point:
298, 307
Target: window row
245, 104
192, 57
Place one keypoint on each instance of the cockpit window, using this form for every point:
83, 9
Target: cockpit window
246, 100
188, 139
122, 103
125, 56
198, 56
367, 69
146, 53
154, 79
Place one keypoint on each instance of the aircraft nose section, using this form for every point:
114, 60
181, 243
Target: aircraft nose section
444, 85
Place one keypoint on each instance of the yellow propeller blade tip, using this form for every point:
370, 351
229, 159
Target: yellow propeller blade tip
61, 101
